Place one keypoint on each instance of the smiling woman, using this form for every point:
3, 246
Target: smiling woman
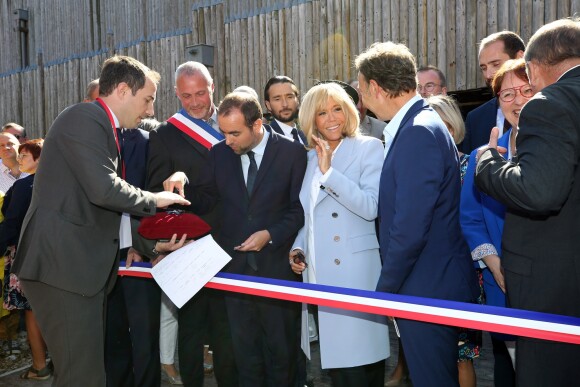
342, 179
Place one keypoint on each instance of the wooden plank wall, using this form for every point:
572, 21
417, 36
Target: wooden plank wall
319, 39
254, 40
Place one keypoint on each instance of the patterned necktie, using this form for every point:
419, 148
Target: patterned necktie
252, 172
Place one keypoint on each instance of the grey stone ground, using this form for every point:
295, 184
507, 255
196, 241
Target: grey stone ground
483, 368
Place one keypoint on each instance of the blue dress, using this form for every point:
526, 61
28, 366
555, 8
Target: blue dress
482, 220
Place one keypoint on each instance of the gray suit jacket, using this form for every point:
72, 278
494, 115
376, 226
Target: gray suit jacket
370, 126
70, 235
346, 250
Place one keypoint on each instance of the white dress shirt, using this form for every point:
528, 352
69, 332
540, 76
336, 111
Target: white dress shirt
393, 126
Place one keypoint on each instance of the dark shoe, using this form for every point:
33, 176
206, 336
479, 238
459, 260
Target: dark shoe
35, 374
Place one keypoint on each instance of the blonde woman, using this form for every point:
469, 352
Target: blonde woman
338, 241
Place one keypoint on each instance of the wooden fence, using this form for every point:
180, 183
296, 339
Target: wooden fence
313, 40
253, 40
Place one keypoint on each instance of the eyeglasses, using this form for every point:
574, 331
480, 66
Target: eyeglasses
429, 86
509, 94
21, 156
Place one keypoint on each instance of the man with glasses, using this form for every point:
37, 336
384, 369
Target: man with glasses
431, 81
494, 50
17, 130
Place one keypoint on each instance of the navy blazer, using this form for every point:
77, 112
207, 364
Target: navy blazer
422, 247
134, 151
276, 128
478, 125
274, 204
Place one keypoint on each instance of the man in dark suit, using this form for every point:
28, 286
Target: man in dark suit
282, 99
494, 50
422, 246
182, 143
256, 175
68, 251
542, 192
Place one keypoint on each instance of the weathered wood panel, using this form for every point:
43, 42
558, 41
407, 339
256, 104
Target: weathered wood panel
307, 40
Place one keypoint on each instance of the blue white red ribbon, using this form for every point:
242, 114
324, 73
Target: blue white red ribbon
488, 318
197, 129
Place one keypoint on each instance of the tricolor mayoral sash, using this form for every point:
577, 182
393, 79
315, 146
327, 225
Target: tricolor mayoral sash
199, 130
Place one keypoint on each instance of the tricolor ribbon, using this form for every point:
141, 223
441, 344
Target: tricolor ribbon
488, 318
195, 128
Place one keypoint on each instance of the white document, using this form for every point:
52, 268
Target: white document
184, 272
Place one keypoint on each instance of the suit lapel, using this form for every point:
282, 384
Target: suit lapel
276, 128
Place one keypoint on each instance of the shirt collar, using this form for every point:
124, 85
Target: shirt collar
393, 126
261, 147
287, 129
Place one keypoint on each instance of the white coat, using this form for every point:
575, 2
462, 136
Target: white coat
346, 251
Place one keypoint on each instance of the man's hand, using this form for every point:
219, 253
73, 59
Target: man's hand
493, 136
164, 199
255, 242
177, 182
172, 245
166, 247
493, 263
132, 256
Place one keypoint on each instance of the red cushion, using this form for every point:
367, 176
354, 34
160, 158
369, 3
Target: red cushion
163, 225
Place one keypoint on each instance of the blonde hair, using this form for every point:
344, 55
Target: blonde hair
315, 100
449, 112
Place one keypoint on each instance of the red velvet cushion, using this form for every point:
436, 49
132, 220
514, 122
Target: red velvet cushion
164, 224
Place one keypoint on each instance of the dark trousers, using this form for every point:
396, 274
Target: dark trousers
546, 363
431, 353
132, 333
503, 370
73, 328
203, 320
369, 375
264, 337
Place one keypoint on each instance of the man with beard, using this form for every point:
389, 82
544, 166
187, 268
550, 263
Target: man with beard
281, 98
182, 143
494, 50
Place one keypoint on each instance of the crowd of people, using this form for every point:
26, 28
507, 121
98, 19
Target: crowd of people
374, 184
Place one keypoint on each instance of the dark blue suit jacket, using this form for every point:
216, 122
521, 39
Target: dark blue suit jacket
478, 125
135, 149
276, 128
422, 247
274, 204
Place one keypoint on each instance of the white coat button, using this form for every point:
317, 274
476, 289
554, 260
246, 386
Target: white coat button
337, 261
